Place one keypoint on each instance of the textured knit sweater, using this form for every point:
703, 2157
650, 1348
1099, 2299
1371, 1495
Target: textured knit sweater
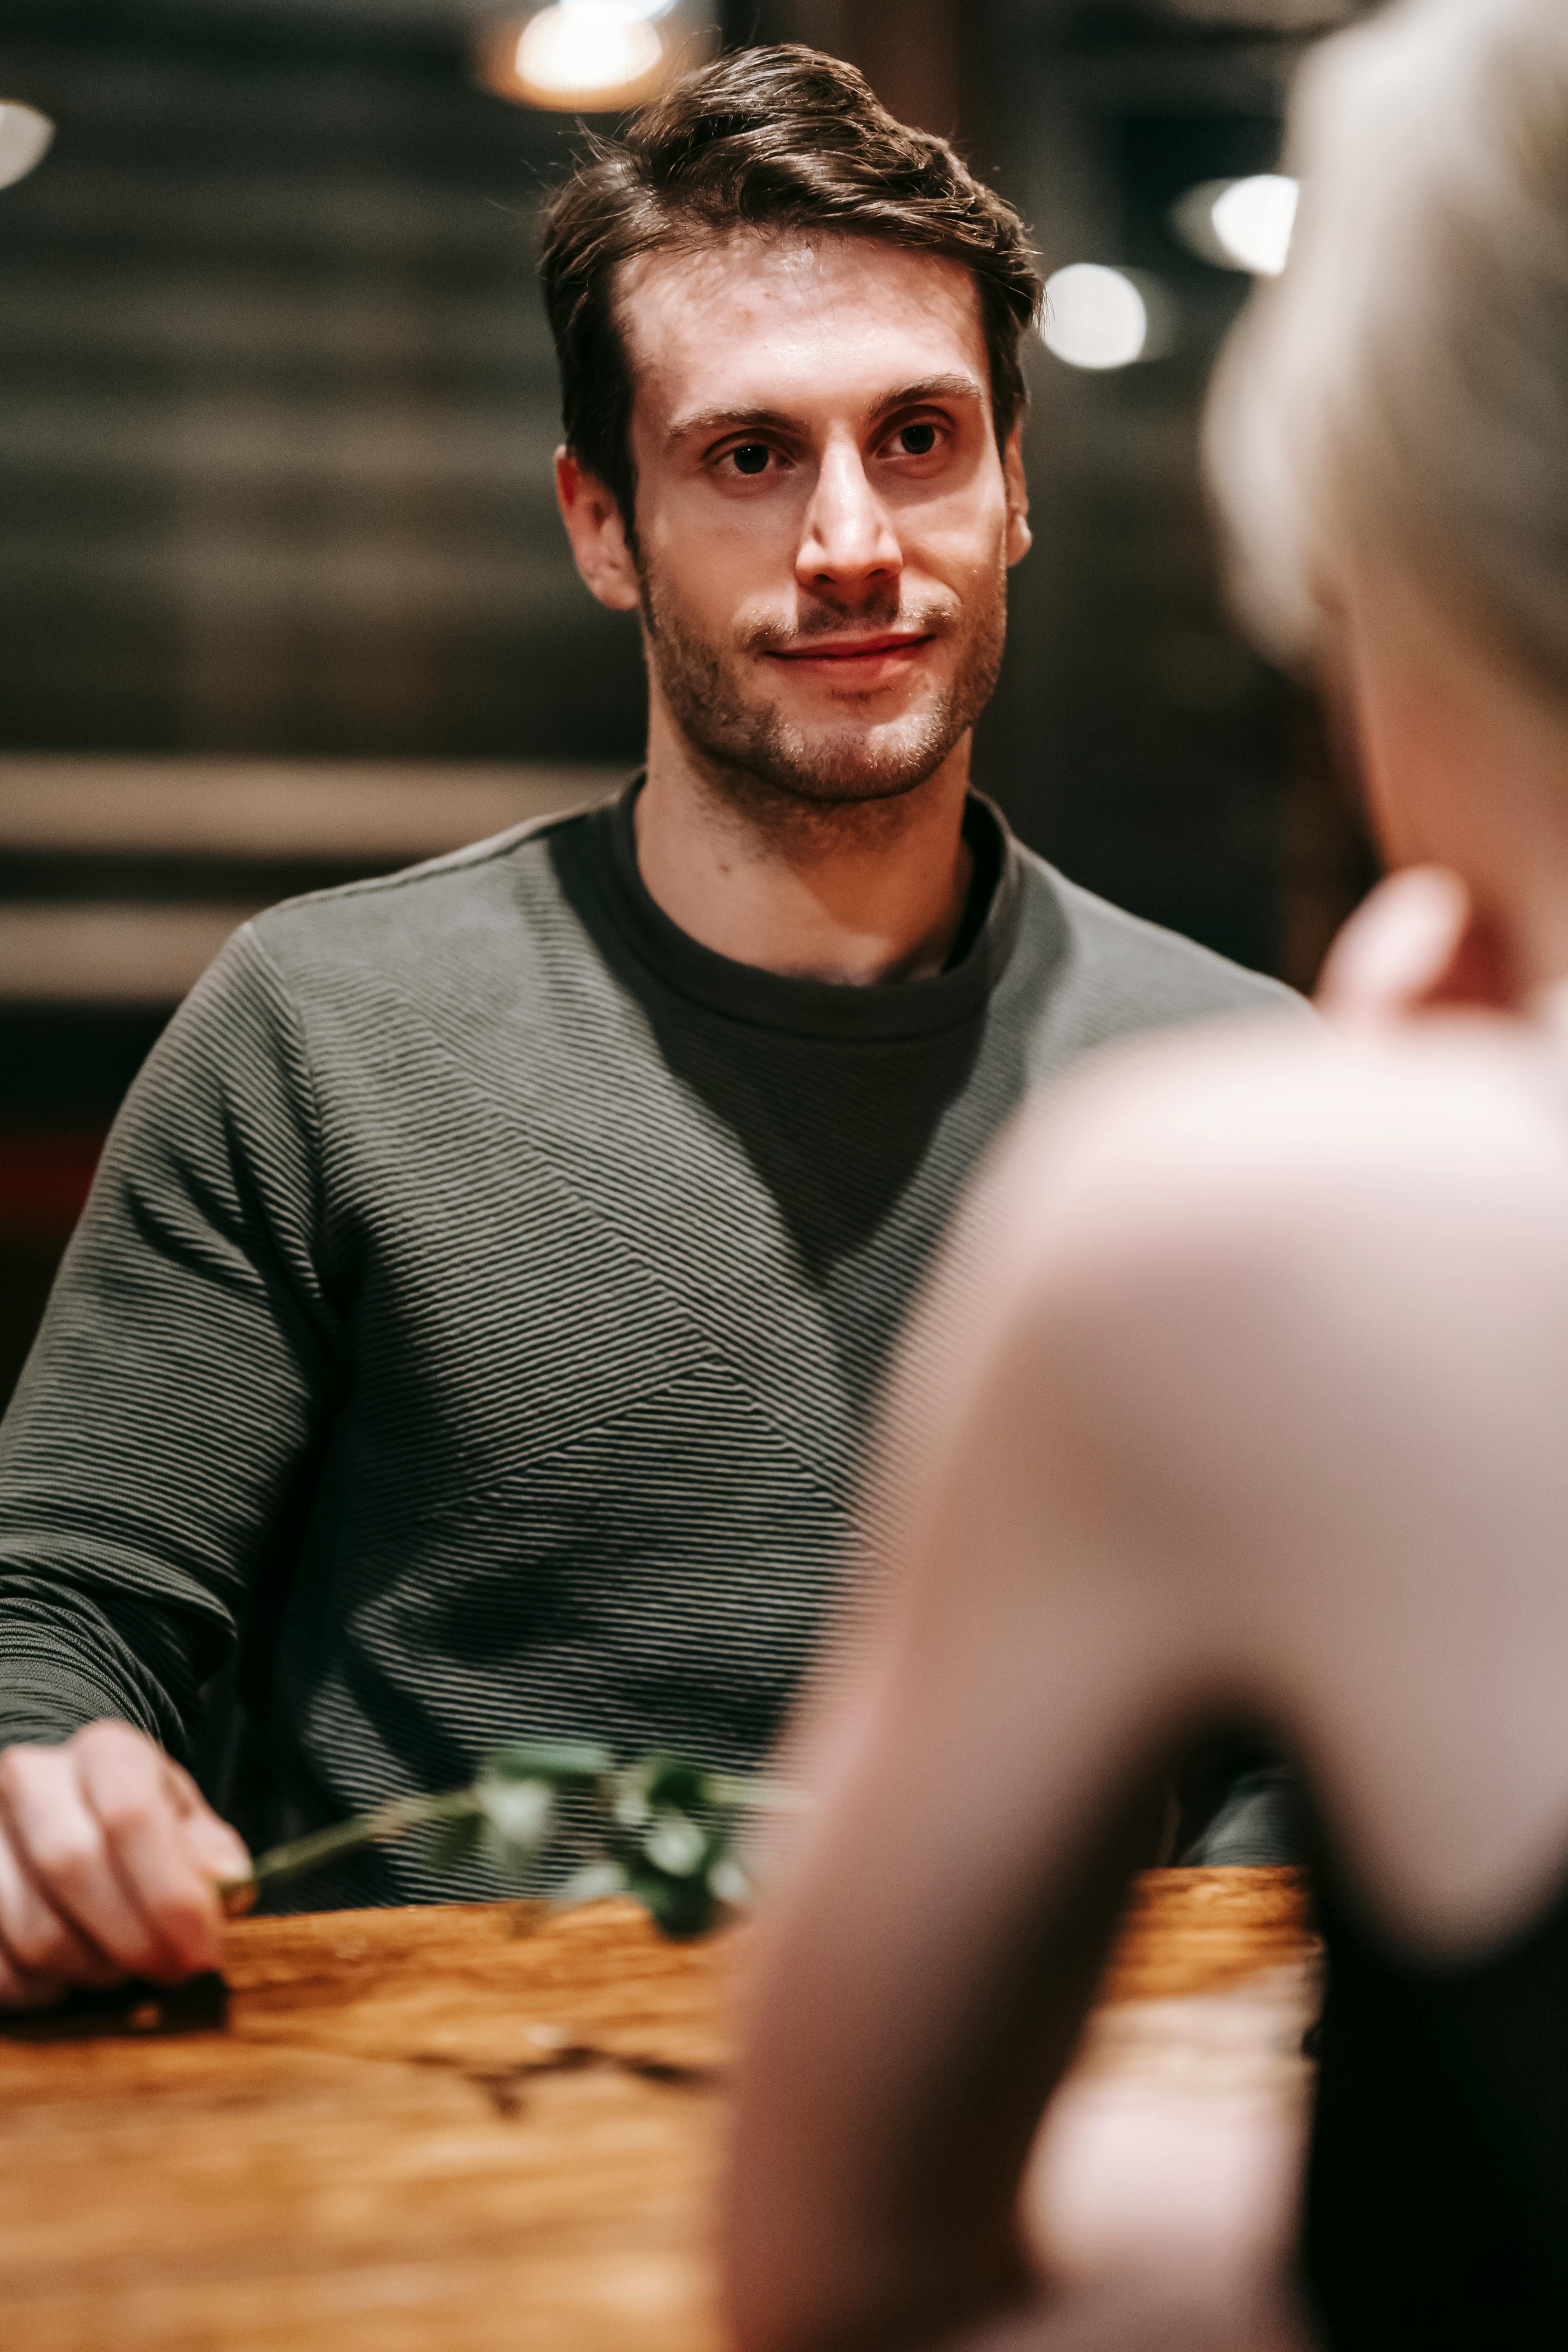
475, 1318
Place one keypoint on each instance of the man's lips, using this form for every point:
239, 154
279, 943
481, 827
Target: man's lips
854, 649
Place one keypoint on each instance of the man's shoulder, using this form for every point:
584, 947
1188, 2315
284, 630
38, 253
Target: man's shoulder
1121, 971
471, 905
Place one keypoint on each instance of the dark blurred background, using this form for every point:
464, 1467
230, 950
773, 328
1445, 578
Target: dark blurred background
283, 598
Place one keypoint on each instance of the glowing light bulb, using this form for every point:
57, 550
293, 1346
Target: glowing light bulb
586, 56
1094, 317
25, 136
577, 56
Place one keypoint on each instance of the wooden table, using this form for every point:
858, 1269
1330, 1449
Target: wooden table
421, 2128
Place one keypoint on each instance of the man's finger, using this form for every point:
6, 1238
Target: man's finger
20, 1991
217, 1851
38, 1938
63, 1845
131, 1791
183, 1793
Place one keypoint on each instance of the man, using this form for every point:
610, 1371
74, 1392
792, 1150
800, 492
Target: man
486, 1284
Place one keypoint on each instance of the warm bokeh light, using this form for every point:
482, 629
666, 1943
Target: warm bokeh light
1254, 219
1094, 317
580, 56
1240, 224
24, 137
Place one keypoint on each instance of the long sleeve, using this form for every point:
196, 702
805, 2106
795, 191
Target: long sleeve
152, 1463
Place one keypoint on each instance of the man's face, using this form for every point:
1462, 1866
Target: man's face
823, 519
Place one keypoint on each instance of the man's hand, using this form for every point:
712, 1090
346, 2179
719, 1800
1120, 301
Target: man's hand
108, 1862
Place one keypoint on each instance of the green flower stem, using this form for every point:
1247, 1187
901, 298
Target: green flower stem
553, 1768
388, 1820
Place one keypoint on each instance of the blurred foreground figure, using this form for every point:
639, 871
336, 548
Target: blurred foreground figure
474, 1322
1244, 1392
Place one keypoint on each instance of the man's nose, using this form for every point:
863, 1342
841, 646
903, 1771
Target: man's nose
849, 544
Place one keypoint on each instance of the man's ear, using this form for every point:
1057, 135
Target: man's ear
1020, 538
598, 534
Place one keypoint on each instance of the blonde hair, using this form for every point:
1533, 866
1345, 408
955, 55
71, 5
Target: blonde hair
1404, 386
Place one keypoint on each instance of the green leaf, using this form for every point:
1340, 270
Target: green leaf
727, 1883
680, 1907
521, 1814
631, 1807
675, 1845
669, 1784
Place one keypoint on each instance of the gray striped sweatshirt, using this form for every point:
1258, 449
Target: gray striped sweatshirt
474, 1322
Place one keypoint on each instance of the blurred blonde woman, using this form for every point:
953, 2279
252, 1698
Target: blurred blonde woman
1246, 1394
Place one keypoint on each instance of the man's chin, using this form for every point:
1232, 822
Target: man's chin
843, 777
839, 765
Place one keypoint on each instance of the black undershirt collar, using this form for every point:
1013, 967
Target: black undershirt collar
906, 1008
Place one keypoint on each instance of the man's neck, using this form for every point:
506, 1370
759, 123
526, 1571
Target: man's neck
858, 893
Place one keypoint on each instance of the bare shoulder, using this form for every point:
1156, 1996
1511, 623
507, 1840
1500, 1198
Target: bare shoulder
1234, 1138
1216, 1224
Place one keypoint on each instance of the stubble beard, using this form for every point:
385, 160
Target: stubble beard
776, 768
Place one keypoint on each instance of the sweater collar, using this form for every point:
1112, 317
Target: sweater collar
817, 1008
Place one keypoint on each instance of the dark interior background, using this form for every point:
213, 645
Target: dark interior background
277, 404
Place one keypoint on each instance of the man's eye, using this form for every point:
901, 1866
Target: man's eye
752, 457
917, 440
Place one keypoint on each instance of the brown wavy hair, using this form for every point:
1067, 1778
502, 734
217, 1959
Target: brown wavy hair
777, 139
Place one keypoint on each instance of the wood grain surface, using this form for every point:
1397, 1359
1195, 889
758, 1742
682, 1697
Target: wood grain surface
1189, 1932
426, 2128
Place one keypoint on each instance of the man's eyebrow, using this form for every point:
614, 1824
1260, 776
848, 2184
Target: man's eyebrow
930, 387
736, 420
774, 420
